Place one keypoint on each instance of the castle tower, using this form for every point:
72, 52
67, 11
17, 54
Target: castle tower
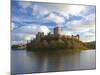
78, 37
57, 31
39, 35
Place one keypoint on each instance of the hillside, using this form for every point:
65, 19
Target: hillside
91, 45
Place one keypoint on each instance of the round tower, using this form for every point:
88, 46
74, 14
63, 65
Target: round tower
57, 30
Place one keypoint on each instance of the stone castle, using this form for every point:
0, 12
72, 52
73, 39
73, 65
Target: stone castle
57, 33
54, 41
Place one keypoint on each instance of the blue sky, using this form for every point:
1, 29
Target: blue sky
28, 18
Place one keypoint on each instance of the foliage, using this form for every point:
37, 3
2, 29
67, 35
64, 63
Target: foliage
91, 45
51, 43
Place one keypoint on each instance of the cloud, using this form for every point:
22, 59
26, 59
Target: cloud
12, 26
24, 4
85, 24
35, 10
67, 10
88, 39
88, 36
21, 19
29, 29
85, 27
89, 19
64, 9
32, 29
39, 11
33, 17
66, 32
75, 9
56, 18
28, 32
75, 27
16, 42
44, 29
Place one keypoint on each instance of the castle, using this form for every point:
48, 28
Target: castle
56, 33
54, 41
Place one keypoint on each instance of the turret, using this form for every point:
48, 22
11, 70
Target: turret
57, 31
78, 37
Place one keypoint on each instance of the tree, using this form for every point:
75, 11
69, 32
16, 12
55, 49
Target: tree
44, 44
60, 43
53, 44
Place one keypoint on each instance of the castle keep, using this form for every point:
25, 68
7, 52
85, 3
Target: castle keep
57, 31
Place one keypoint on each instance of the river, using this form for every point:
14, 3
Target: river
23, 61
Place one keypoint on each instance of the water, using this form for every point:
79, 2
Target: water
23, 61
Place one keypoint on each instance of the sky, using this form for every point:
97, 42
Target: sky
28, 18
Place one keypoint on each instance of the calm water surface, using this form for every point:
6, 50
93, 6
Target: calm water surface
23, 61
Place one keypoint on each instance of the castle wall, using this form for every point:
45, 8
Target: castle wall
57, 32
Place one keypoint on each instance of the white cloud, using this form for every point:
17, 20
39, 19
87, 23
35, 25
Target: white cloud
88, 39
29, 29
32, 29
90, 19
75, 9
25, 4
85, 27
82, 25
67, 10
76, 26
67, 33
29, 37
44, 29
12, 26
21, 19
35, 10
56, 18
39, 11
28, 32
89, 34
80, 28
17, 42
20, 38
